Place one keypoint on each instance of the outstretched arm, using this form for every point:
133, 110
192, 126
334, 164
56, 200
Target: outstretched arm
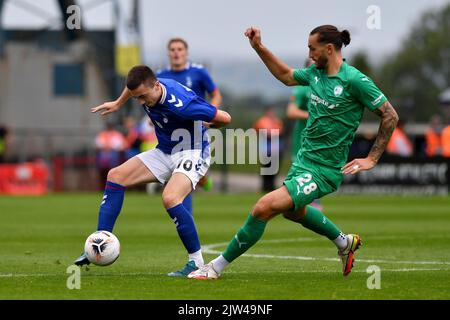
221, 119
277, 67
113, 106
389, 119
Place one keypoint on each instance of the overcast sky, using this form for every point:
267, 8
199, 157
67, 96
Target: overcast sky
214, 29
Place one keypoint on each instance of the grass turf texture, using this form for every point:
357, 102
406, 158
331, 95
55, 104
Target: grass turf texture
40, 238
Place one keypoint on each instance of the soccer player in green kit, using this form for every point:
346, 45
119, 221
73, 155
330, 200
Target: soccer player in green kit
339, 95
297, 110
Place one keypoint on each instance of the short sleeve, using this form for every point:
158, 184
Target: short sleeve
198, 109
207, 81
303, 76
367, 92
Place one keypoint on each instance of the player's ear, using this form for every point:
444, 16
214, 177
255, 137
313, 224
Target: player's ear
329, 48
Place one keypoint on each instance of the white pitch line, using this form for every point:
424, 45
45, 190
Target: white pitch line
209, 249
11, 275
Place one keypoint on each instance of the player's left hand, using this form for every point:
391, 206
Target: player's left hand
357, 165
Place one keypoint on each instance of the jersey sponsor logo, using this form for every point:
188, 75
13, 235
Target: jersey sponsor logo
173, 99
315, 100
338, 90
333, 106
316, 79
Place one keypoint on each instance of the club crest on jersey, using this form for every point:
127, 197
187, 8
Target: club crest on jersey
338, 90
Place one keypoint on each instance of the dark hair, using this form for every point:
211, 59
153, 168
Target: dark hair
138, 75
330, 34
177, 40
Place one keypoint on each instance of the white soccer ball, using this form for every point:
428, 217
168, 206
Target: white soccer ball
102, 248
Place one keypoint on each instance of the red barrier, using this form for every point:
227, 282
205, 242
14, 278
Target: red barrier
30, 178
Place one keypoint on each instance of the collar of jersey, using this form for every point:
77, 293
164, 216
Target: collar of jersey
164, 93
337, 75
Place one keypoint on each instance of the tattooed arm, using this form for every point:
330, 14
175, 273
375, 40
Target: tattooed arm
389, 119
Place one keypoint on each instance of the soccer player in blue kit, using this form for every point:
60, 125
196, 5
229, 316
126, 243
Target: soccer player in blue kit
197, 78
176, 111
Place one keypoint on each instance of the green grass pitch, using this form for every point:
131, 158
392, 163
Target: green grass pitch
406, 237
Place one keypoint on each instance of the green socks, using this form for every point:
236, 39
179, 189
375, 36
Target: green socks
316, 221
246, 237
253, 230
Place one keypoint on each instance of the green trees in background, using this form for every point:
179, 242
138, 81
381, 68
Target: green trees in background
414, 76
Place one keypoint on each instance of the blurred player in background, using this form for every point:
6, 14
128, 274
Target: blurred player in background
297, 110
110, 145
177, 163
271, 146
193, 76
339, 95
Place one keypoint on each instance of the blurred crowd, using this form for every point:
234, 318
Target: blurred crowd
117, 143
434, 142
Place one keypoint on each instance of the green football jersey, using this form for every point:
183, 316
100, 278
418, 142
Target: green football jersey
335, 111
301, 95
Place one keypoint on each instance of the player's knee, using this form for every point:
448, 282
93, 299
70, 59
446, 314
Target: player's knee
115, 175
289, 215
295, 215
262, 210
170, 200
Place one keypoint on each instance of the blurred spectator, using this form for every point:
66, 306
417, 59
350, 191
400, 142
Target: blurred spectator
433, 137
445, 138
132, 137
4, 141
110, 145
270, 147
400, 144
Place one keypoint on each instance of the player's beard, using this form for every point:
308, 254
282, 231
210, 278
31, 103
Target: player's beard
322, 62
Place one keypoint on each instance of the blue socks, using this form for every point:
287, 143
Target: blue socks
110, 206
187, 203
185, 227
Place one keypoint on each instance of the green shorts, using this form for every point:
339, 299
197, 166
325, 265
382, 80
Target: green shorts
308, 180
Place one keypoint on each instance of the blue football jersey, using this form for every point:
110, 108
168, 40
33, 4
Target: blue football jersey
194, 76
178, 118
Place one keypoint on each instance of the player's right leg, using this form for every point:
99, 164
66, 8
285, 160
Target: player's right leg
132, 172
306, 182
266, 208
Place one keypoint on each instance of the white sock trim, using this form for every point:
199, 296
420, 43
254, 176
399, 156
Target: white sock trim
341, 241
219, 263
197, 257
